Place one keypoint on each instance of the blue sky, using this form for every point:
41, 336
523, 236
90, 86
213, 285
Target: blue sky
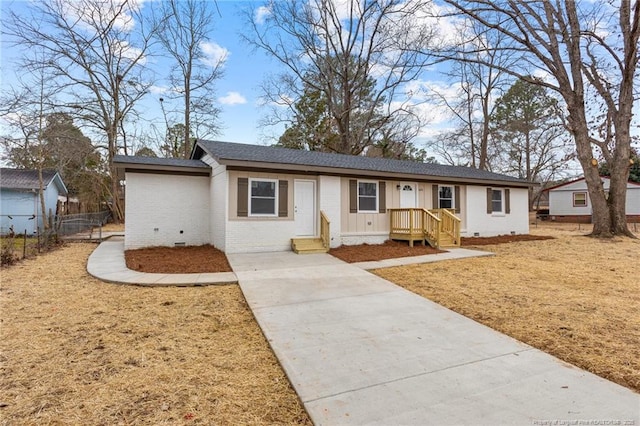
237, 92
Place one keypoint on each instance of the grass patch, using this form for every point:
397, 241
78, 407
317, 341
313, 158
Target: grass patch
75, 350
574, 297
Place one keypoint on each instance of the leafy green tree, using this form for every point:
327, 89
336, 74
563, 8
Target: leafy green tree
312, 127
527, 125
174, 146
634, 167
74, 156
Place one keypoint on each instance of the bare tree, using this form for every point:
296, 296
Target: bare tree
586, 50
95, 52
24, 109
184, 30
337, 48
480, 79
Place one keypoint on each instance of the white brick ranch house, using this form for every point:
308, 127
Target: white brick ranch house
250, 198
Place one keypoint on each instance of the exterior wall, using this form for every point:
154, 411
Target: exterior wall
561, 203
487, 225
163, 210
330, 204
373, 228
260, 234
364, 228
22, 205
633, 201
561, 200
218, 193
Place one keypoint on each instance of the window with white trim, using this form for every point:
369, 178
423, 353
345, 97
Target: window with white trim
579, 199
446, 197
263, 197
496, 201
367, 196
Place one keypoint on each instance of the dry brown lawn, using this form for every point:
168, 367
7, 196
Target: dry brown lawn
575, 297
75, 350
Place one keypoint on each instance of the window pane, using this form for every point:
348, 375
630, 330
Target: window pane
446, 204
496, 200
580, 199
367, 188
367, 203
446, 192
263, 206
445, 196
263, 189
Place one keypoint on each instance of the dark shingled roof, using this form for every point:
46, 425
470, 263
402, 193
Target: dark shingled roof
153, 161
226, 151
24, 179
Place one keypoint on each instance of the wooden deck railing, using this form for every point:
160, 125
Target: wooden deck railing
434, 226
325, 233
449, 225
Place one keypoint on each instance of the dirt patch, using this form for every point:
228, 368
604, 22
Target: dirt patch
574, 297
501, 239
177, 260
389, 250
75, 350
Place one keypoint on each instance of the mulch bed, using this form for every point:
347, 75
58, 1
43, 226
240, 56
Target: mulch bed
206, 258
177, 260
501, 239
388, 250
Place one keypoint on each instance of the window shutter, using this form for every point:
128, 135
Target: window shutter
489, 203
434, 197
353, 196
243, 197
507, 201
456, 195
382, 197
283, 198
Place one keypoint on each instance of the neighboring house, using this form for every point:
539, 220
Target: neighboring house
249, 198
20, 207
570, 201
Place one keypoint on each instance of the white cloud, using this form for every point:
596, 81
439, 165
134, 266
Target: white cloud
158, 90
261, 14
232, 98
213, 54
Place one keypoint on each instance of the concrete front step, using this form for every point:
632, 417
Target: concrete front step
307, 245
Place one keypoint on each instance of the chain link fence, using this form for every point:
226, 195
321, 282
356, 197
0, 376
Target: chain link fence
82, 224
16, 246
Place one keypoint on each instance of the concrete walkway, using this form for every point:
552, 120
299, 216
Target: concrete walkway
361, 350
107, 264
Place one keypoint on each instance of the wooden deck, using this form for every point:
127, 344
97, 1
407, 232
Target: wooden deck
438, 227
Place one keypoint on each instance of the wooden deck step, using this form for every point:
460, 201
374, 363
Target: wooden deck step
307, 245
448, 241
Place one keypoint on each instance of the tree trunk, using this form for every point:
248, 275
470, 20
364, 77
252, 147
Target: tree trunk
43, 207
187, 114
617, 186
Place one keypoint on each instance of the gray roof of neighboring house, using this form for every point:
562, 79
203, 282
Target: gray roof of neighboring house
28, 179
223, 152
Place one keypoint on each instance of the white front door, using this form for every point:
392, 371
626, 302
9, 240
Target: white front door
304, 207
408, 197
